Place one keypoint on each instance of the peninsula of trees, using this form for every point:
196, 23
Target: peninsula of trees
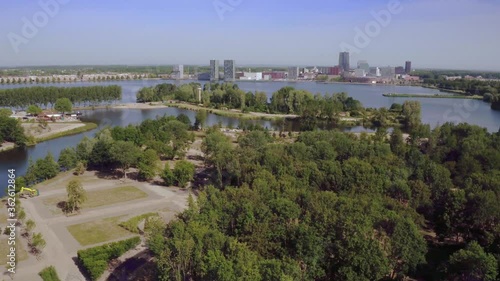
488, 89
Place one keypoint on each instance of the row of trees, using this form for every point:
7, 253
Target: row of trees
338, 206
26, 80
163, 92
36, 242
286, 100
489, 90
45, 96
291, 101
437, 74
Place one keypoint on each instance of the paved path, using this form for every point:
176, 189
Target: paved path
61, 247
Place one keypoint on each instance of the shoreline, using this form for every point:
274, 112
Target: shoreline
230, 113
6, 146
436, 96
226, 113
235, 113
84, 127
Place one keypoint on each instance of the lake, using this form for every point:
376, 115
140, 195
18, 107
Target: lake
434, 112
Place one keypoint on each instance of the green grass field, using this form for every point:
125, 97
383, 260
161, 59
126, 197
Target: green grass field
99, 231
98, 198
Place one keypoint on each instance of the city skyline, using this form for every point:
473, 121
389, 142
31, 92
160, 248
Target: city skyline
414, 33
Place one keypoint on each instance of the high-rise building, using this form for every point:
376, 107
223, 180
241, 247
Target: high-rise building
344, 63
400, 70
178, 71
388, 72
293, 73
214, 70
362, 64
408, 67
229, 70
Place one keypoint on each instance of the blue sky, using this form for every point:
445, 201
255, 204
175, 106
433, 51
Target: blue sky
459, 34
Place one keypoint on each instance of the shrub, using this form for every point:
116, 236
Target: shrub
132, 224
183, 172
168, 176
49, 274
81, 167
95, 260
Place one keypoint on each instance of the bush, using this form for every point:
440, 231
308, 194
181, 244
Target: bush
183, 172
95, 260
49, 274
132, 224
80, 168
168, 176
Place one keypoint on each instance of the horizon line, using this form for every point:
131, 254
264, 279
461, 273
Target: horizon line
237, 66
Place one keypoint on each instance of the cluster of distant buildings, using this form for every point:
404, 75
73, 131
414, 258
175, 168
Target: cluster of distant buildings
363, 73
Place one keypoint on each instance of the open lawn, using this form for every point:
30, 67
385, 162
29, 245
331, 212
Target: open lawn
21, 253
98, 231
99, 198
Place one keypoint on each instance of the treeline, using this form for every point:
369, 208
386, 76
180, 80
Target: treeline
285, 101
335, 206
45, 96
470, 87
436, 74
489, 90
163, 92
292, 101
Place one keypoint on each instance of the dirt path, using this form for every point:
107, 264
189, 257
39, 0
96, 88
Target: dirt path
54, 252
61, 248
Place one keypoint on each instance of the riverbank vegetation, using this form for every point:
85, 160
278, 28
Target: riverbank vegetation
119, 149
489, 90
228, 100
436, 96
45, 96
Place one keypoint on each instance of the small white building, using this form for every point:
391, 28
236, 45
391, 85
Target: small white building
251, 76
